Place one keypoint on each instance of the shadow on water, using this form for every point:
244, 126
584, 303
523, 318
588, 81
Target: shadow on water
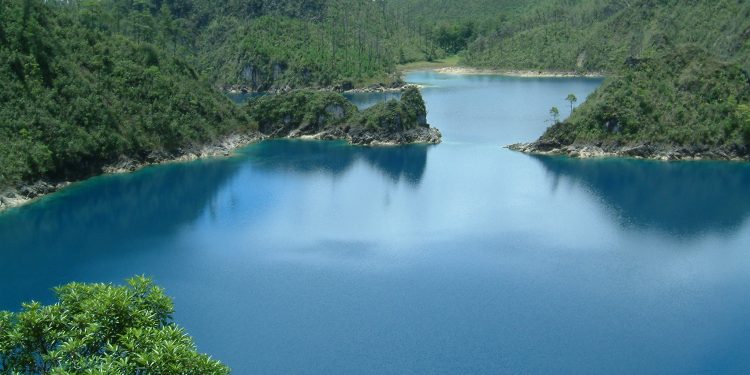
101, 217
403, 163
684, 199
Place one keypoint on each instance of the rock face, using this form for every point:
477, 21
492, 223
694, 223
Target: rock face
640, 151
327, 115
381, 137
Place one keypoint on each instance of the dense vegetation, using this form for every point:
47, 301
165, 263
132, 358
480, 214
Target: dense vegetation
85, 83
264, 45
579, 35
342, 43
681, 98
74, 97
397, 115
682, 83
305, 112
101, 329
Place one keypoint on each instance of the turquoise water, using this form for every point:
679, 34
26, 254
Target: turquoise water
316, 257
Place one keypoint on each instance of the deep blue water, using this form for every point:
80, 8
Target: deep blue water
317, 257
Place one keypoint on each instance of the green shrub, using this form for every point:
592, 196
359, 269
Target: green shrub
101, 328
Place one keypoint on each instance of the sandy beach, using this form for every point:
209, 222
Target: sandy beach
516, 73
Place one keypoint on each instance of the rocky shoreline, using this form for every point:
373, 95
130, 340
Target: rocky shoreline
26, 193
322, 116
640, 151
359, 137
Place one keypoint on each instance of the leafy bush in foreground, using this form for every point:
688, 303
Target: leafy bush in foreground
101, 329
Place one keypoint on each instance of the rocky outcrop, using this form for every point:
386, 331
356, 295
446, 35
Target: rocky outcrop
25, 193
329, 116
382, 137
376, 137
638, 151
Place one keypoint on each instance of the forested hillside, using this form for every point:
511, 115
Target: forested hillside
682, 104
339, 42
598, 35
75, 95
84, 84
87, 82
677, 83
272, 45
579, 35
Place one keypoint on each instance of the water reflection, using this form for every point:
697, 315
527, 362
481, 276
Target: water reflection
685, 199
405, 163
155, 202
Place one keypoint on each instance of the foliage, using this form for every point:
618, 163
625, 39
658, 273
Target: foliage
597, 35
454, 37
74, 97
743, 112
312, 111
396, 115
274, 44
554, 114
102, 329
685, 97
584, 35
572, 99
300, 109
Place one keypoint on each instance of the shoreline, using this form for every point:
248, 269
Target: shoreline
639, 152
225, 147
447, 68
524, 73
30, 192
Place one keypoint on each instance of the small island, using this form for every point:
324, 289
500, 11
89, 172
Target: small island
323, 115
680, 105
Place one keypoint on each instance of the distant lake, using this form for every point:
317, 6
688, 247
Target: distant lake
321, 258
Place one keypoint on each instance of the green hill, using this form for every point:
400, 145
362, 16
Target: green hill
681, 104
599, 35
263, 45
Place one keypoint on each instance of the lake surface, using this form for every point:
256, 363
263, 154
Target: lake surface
317, 258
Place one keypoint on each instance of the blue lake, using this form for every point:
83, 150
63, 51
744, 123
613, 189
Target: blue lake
316, 257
